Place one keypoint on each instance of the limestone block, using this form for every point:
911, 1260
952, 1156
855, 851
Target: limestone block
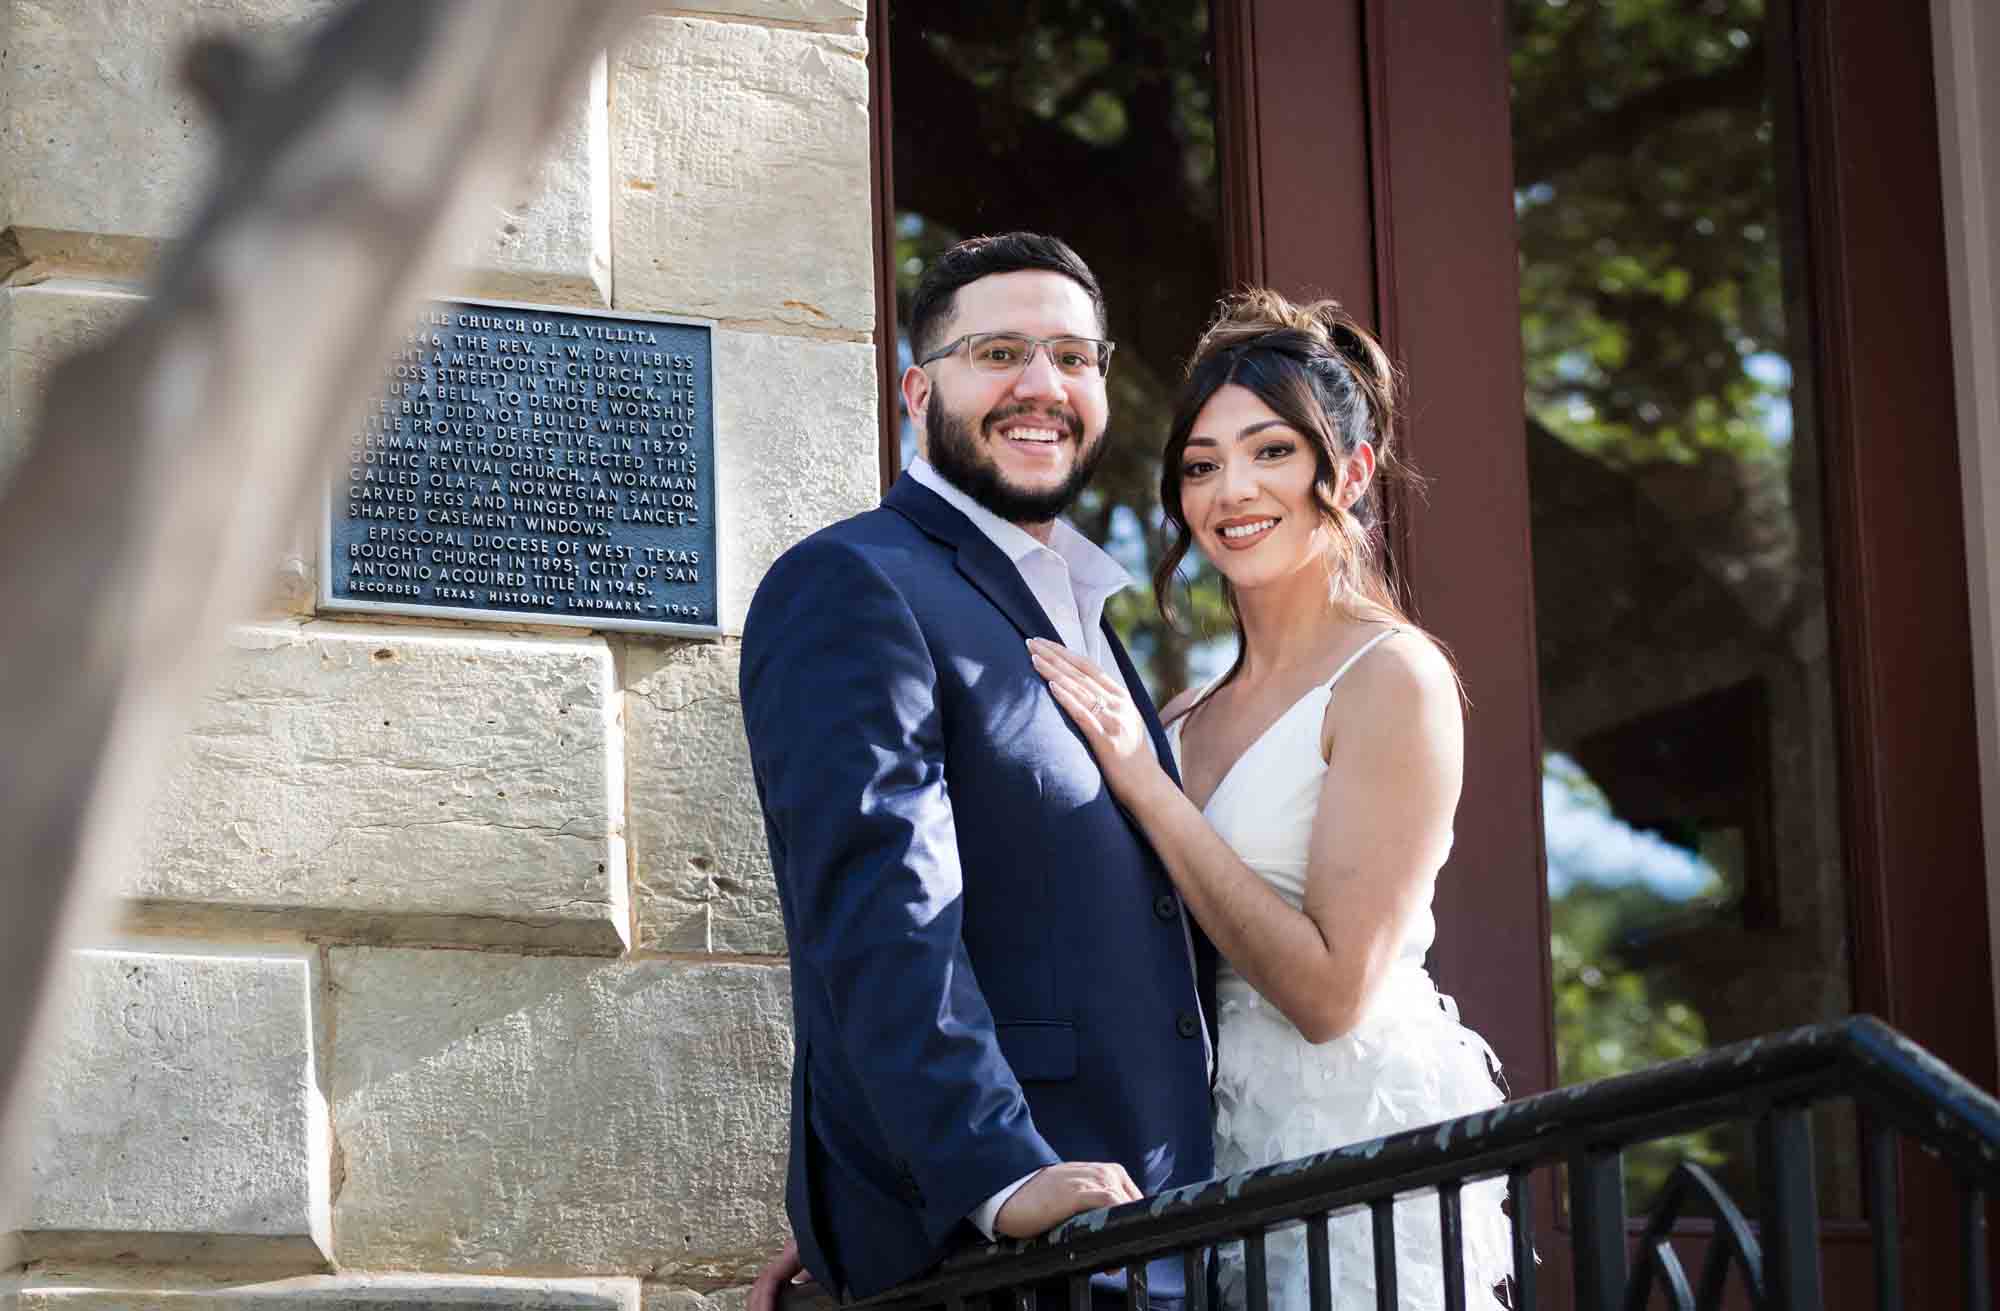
785, 11
334, 1293
397, 784
537, 1114
39, 326
12, 431
292, 590
740, 174
101, 138
6, 198
552, 241
795, 449
663, 1297
701, 868
181, 1116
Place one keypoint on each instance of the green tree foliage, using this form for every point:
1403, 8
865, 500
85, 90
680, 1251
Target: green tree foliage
1612, 1015
1652, 296
1614, 1019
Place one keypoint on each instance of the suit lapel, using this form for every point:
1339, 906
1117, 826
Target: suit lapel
987, 568
1201, 952
983, 564
1130, 673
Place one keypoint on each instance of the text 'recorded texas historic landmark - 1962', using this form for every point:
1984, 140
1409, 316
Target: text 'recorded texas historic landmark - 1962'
533, 464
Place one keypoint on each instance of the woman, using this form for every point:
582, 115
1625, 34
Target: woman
1321, 773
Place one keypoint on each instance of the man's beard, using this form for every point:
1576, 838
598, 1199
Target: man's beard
955, 452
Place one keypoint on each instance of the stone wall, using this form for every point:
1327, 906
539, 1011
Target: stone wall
450, 969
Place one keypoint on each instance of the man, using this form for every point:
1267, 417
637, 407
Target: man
997, 999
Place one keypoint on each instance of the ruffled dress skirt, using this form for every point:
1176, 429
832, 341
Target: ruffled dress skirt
1409, 1063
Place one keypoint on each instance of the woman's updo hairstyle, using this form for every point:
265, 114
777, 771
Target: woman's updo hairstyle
1330, 381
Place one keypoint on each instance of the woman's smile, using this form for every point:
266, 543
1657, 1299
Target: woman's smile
1242, 534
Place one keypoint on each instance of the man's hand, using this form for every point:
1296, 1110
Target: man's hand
783, 1269
1058, 1192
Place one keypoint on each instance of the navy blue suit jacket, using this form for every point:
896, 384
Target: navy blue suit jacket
990, 969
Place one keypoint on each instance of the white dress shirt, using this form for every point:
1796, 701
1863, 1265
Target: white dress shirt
1072, 578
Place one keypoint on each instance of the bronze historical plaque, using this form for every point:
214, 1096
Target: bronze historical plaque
532, 464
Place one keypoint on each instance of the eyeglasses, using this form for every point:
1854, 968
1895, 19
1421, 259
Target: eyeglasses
1010, 352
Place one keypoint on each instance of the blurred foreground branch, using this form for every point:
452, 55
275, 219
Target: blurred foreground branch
171, 461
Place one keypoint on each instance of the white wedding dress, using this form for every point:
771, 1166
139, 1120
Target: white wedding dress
1408, 1063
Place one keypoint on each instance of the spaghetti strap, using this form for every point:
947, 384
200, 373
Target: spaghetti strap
1348, 663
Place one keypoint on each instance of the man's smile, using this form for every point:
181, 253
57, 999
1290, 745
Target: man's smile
1037, 436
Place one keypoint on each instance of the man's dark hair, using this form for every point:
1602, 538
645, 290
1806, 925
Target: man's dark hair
980, 257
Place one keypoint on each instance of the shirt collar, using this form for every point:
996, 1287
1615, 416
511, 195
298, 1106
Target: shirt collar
1089, 565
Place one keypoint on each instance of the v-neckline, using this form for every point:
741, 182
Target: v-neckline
1283, 715
1245, 754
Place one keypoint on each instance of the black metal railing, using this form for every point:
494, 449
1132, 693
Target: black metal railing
1769, 1084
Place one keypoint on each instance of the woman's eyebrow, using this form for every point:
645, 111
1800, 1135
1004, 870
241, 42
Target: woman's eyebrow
1260, 426
1251, 431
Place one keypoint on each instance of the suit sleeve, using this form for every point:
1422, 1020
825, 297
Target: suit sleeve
839, 701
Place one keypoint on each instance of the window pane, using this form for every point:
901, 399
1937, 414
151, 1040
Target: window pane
1695, 875
1094, 123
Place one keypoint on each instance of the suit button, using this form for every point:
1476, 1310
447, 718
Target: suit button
1188, 1025
1165, 907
